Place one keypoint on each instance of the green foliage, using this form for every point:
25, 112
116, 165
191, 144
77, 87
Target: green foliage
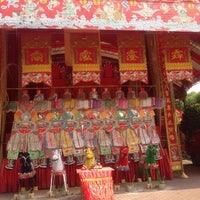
179, 104
191, 116
191, 119
192, 98
197, 95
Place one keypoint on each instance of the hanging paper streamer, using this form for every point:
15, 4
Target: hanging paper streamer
133, 66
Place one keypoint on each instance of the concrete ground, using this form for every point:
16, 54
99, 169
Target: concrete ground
178, 188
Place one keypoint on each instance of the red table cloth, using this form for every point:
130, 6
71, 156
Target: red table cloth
97, 184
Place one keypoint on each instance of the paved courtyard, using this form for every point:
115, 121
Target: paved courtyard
178, 188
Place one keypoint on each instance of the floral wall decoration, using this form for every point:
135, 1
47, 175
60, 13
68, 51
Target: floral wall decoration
36, 60
133, 64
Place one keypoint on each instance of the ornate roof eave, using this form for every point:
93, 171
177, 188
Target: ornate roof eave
153, 15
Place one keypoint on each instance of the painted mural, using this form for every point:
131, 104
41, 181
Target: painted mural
159, 15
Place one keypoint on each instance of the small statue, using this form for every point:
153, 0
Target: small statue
81, 94
39, 96
106, 94
144, 99
90, 158
119, 94
93, 94
143, 94
25, 98
131, 93
67, 94
53, 95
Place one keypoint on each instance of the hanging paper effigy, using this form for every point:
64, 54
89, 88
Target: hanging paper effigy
178, 64
133, 66
86, 62
36, 61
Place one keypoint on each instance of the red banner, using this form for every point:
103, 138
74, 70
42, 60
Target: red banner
177, 54
36, 60
36, 56
132, 55
85, 55
178, 62
132, 66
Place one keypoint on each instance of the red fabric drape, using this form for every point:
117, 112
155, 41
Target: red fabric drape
92, 180
9, 178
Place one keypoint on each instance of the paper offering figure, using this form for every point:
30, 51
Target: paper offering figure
58, 168
147, 163
122, 165
123, 162
27, 171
